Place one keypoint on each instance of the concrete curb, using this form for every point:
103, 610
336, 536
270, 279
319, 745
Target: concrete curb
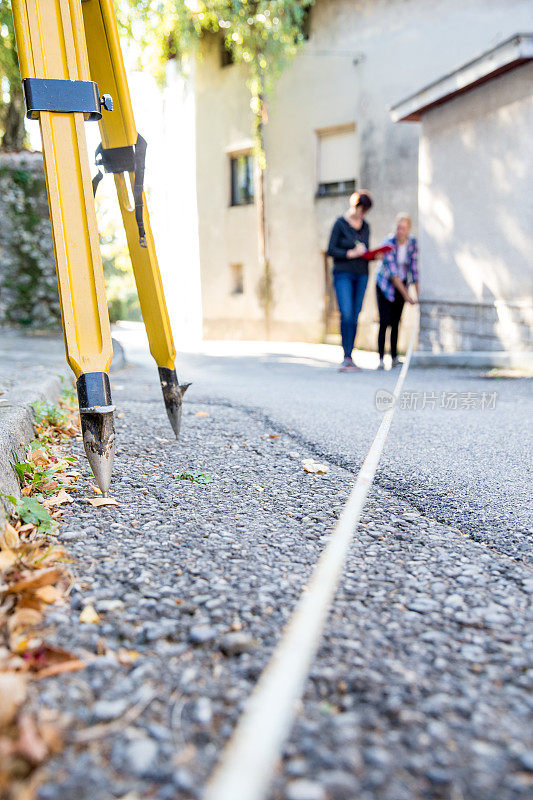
17, 431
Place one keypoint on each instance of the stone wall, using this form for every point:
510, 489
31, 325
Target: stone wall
448, 327
28, 286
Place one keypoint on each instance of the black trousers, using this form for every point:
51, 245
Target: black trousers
389, 316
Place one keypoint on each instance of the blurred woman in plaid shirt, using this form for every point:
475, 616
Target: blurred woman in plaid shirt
397, 272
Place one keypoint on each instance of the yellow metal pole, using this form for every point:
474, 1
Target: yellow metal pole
51, 45
118, 132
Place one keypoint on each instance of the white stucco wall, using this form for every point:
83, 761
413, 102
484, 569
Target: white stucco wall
397, 46
476, 203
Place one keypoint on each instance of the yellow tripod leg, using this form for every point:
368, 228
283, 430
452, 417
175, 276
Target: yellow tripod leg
51, 46
119, 140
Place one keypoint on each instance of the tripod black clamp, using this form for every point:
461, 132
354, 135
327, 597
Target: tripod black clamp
51, 94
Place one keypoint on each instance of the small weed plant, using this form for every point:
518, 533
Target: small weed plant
194, 477
49, 415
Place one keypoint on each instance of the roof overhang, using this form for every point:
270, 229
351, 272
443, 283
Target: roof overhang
506, 56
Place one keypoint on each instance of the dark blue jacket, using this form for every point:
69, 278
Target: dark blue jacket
343, 238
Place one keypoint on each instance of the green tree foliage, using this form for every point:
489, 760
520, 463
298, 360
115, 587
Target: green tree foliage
263, 34
11, 98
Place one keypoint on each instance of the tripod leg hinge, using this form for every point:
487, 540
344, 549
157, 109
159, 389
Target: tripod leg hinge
131, 158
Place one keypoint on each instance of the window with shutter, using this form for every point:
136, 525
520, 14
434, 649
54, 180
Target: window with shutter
337, 161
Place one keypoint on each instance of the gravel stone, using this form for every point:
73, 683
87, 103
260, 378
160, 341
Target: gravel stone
183, 780
106, 710
141, 757
305, 790
235, 643
200, 634
420, 686
203, 711
526, 760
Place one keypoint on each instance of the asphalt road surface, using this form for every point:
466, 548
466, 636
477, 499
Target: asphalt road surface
460, 446
421, 684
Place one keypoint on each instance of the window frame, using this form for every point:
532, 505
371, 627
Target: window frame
237, 279
234, 157
226, 54
343, 187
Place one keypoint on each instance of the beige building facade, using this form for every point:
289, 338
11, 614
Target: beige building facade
476, 203
329, 130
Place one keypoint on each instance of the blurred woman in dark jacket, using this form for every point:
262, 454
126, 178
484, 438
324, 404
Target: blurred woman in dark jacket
348, 241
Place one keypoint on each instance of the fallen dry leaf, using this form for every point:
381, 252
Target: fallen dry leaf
29, 600
95, 489
11, 537
29, 526
7, 559
201, 414
49, 594
58, 499
30, 744
51, 735
314, 467
59, 669
23, 618
102, 501
21, 643
40, 458
273, 435
89, 615
49, 486
12, 695
127, 657
46, 655
34, 580
51, 555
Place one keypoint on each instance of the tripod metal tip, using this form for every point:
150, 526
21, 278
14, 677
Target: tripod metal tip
97, 425
98, 430
173, 396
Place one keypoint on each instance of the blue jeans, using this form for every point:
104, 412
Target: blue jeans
350, 291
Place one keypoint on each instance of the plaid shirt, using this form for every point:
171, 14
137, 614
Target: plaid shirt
390, 268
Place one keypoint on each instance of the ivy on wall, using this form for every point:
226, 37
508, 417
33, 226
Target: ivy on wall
28, 283
28, 286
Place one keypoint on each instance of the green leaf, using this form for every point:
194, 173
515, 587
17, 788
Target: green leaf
194, 477
28, 509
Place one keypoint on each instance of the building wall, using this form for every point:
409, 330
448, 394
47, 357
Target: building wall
476, 215
362, 56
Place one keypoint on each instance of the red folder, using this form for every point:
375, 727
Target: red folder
379, 251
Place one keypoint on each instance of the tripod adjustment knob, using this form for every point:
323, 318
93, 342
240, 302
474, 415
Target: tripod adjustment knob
106, 101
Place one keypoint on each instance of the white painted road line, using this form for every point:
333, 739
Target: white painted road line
248, 763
